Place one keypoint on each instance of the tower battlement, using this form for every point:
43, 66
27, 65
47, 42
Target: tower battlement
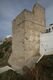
26, 28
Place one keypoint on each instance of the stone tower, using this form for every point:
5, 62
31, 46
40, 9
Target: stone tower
26, 36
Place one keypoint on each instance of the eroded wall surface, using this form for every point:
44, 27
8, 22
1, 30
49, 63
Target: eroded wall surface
26, 36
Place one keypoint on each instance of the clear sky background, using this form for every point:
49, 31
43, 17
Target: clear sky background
9, 9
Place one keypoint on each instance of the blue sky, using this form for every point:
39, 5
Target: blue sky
9, 9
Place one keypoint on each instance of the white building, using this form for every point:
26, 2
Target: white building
46, 41
49, 28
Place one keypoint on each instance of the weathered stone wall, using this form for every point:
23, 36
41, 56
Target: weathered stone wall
39, 13
26, 36
31, 40
17, 58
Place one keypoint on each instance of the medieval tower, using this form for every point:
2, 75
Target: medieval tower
26, 28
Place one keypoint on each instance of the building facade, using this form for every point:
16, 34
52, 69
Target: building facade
26, 28
49, 28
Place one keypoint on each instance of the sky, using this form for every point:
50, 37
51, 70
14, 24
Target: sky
9, 9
